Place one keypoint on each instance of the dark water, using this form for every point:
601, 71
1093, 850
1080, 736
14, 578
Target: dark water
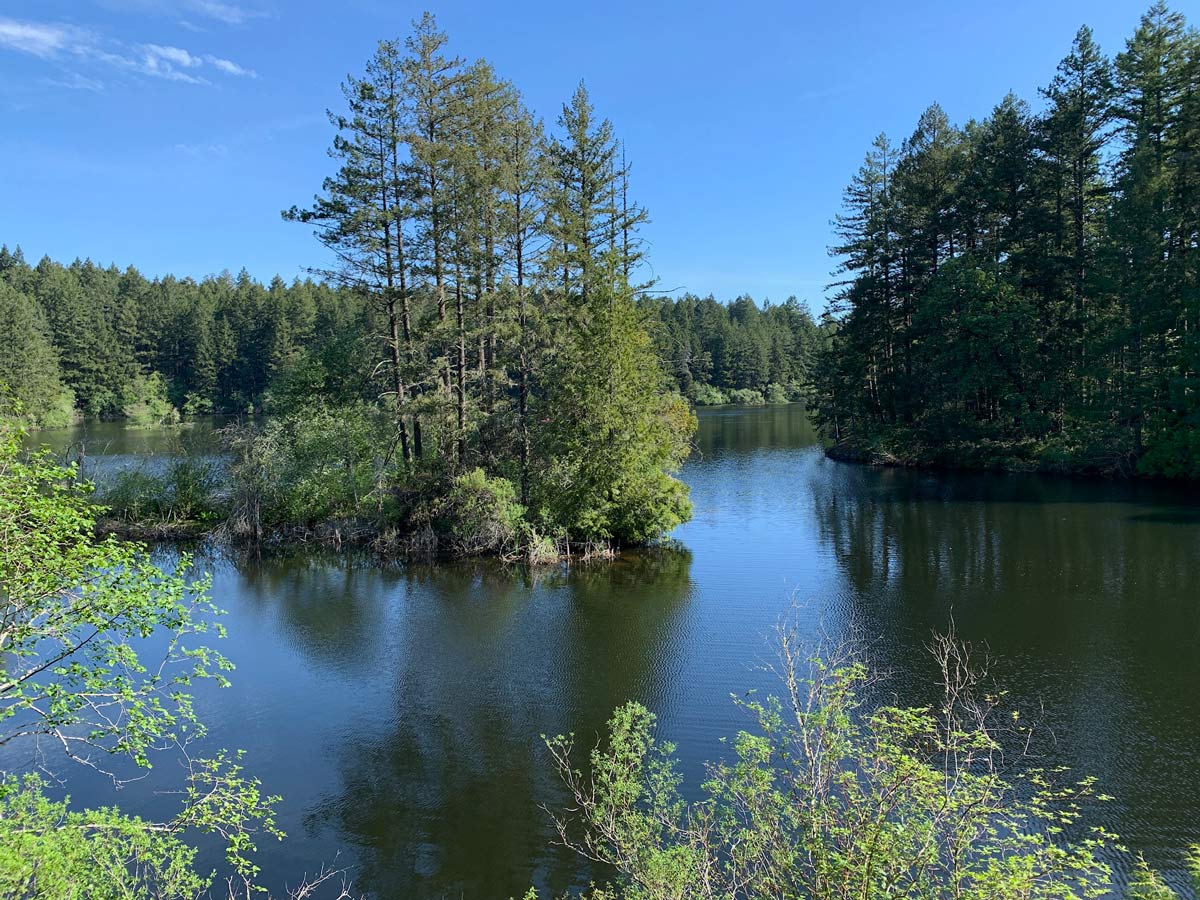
398, 710
101, 449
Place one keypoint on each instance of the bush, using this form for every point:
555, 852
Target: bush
827, 798
195, 404
146, 403
54, 411
136, 496
539, 549
481, 514
707, 395
312, 466
77, 612
747, 396
651, 506
777, 393
1175, 453
58, 411
186, 491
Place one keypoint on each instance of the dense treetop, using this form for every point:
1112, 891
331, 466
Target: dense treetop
1023, 290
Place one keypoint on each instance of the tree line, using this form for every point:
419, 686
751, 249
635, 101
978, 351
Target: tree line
1023, 290
735, 352
95, 341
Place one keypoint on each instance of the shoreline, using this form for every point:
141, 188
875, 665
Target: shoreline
388, 544
968, 463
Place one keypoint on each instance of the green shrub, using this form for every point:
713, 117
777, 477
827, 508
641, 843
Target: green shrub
650, 506
481, 514
51, 850
539, 549
146, 403
336, 372
1146, 884
1175, 453
777, 393
195, 404
312, 466
707, 395
77, 610
57, 411
747, 396
827, 797
194, 485
186, 491
135, 495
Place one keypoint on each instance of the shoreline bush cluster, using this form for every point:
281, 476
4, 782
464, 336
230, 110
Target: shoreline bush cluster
707, 395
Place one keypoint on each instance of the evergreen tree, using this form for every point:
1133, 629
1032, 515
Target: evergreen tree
612, 434
28, 364
1043, 301
363, 214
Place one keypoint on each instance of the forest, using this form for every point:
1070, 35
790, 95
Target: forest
483, 368
1017, 292
1022, 291
109, 343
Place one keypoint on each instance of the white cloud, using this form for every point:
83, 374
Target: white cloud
44, 39
225, 12
56, 41
171, 55
75, 82
202, 149
229, 68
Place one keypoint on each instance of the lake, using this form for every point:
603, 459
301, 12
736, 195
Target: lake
398, 708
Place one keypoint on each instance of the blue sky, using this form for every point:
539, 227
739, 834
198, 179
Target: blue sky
169, 134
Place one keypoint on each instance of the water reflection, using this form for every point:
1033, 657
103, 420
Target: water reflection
104, 448
398, 709
439, 789
730, 430
1087, 595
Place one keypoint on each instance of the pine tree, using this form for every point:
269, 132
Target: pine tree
1075, 131
28, 364
1150, 90
521, 219
363, 214
431, 84
870, 248
613, 433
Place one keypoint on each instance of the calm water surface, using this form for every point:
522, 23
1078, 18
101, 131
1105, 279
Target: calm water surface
398, 710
